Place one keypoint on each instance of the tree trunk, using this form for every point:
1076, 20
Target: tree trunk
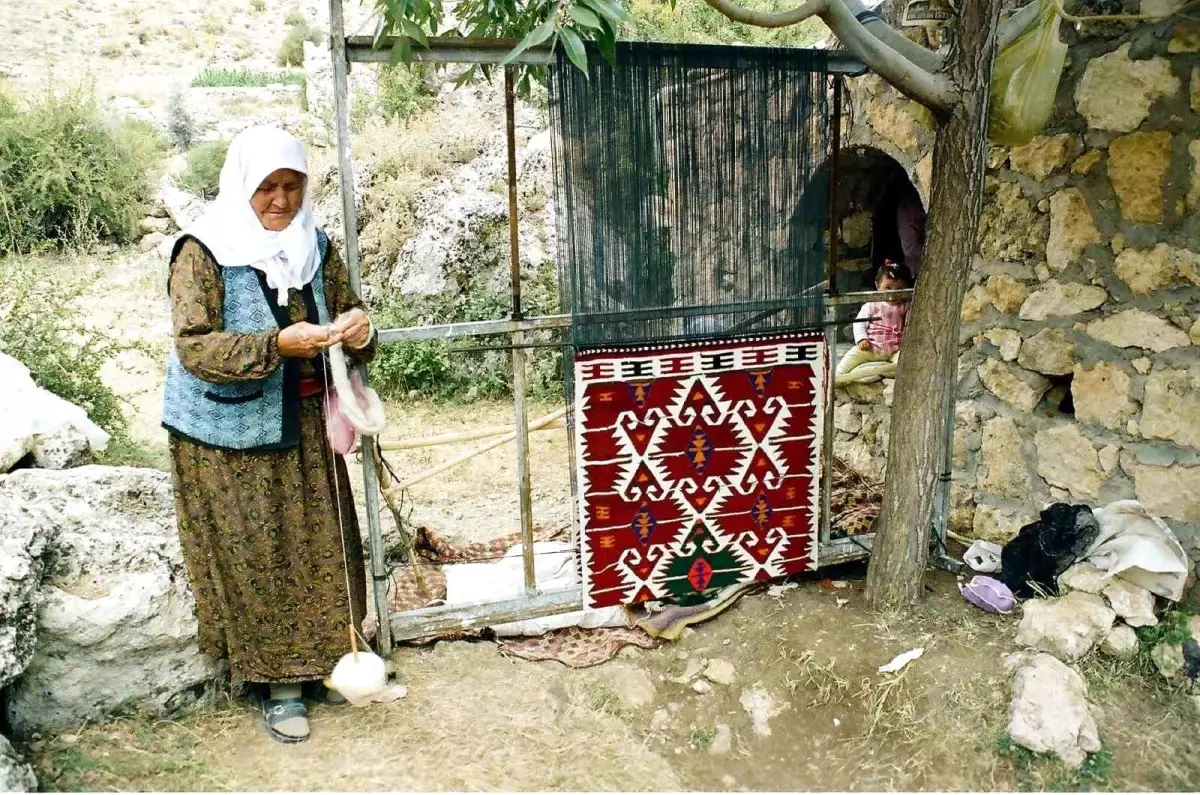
926, 378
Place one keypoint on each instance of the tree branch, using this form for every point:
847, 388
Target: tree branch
927, 59
1017, 24
932, 90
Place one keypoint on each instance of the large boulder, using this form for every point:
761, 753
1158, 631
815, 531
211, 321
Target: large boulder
39, 424
24, 549
15, 774
1050, 711
116, 625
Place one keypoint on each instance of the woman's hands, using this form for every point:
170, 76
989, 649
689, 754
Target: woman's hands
306, 340
866, 345
354, 328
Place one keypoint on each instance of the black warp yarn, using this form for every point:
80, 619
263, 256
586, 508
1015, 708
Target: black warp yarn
1042, 550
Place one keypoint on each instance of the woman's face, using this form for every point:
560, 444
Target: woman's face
278, 199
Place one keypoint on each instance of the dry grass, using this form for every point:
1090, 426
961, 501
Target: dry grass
474, 721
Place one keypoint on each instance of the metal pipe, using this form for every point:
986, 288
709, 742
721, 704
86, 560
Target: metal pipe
518, 339
341, 112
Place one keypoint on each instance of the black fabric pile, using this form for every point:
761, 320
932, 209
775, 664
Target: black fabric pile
1031, 562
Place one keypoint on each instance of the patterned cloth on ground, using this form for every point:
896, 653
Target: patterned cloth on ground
578, 648
699, 465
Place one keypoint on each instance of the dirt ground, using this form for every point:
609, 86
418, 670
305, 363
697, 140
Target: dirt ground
477, 720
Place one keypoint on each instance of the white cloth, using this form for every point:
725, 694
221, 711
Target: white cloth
1139, 547
554, 572
231, 230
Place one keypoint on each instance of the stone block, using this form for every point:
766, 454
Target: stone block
1101, 395
1072, 228
1137, 165
1006, 293
997, 524
1016, 386
1007, 340
1067, 459
1116, 92
1006, 468
1147, 271
1010, 229
1134, 328
1044, 155
1166, 491
1048, 352
1058, 299
1171, 407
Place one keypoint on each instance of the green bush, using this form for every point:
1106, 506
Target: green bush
40, 326
245, 78
402, 93
203, 174
181, 128
68, 177
291, 52
436, 370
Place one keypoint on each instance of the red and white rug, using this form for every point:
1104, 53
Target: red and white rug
699, 465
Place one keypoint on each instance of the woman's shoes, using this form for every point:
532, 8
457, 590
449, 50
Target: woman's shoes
285, 720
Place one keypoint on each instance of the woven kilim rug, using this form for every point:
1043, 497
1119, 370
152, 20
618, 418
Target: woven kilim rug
699, 465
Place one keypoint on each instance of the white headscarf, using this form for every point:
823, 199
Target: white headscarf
232, 231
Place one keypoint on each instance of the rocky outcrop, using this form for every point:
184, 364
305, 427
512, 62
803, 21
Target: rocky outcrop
116, 628
15, 774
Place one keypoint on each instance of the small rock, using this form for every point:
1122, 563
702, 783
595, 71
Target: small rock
1169, 657
1120, 642
1142, 365
151, 225
659, 720
720, 672
631, 685
761, 707
723, 741
1050, 710
1068, 627
702, 686
64, 448
152, 241
1083, 577
1134, 604
728, 780
694, 667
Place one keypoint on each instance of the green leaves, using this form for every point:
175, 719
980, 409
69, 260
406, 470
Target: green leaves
538, 35
583, 16
610, 10
574, 48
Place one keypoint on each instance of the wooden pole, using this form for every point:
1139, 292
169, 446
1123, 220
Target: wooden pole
492, 445
341, 107
388, 446
518, 338
826, 528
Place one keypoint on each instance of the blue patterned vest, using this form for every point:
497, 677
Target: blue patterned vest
245, 415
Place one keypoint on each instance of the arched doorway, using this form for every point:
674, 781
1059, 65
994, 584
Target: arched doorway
880, 215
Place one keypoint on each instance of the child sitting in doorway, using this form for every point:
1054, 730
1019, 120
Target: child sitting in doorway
877, 342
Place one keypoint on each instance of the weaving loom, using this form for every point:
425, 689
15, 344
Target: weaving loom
691, 196
692, 209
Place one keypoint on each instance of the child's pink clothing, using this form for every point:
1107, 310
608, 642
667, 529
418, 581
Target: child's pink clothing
886, 332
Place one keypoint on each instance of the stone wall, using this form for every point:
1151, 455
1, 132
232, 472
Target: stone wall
1079, 373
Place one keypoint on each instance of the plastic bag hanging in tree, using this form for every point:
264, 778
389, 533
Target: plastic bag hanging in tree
1025, 80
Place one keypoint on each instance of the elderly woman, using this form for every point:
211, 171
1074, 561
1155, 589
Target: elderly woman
266, 516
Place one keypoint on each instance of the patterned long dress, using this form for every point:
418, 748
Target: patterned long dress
260, 530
